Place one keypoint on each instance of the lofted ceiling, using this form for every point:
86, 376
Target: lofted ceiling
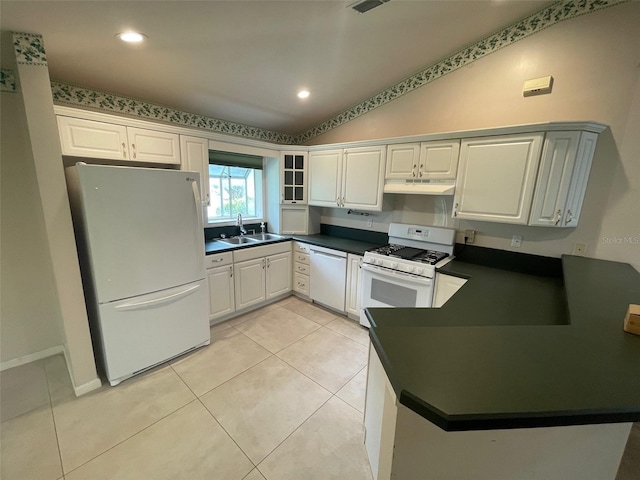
244, 61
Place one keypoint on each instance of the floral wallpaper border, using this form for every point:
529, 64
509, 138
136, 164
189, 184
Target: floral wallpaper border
7, 80
29, 49
84, 97
555, 13
548, 16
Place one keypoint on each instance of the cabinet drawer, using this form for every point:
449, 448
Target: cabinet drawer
300, 247
302, 268
301, 283
301, 258
218, 260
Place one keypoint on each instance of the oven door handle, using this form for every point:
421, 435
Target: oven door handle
395, 274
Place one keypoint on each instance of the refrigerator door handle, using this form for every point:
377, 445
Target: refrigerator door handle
158, 301
196, 200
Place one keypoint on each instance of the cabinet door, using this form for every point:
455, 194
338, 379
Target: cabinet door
496, 178
446, 287
154, 147
194, 155
221, 288
294, 178
439, 160
402, 161
325, 177
279, 273
249, 282
294, 220
363, 178
90, 139
554, 176
352, 305
579, 179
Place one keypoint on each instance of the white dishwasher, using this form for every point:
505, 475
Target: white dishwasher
328, 276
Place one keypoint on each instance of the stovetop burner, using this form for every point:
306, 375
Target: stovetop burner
409, 253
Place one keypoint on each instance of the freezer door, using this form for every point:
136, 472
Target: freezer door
143, 229
140, 332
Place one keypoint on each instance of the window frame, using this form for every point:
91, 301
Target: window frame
261, 196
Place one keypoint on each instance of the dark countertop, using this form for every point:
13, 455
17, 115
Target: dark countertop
516, 350
337, 243
348, 245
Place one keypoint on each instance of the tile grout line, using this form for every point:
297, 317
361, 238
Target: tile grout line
130, 437
53, 418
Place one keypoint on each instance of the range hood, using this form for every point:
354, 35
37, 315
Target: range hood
420, 188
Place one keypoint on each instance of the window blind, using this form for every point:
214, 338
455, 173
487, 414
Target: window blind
232, 159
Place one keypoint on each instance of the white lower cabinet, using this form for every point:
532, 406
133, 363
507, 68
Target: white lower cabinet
446, 287
278, 275
301, 268
352, 301
261, 273
221, 287
250, 282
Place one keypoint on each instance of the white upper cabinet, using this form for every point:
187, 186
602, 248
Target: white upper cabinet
496, 178
439, 160
562, 178
194, 154
86, 138
294, 177
151, 146
402, 161
351, 178
325, 178
92, 139
363, 178
423, 161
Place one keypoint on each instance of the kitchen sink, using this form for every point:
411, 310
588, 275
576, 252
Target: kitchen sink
264, 237
239, 240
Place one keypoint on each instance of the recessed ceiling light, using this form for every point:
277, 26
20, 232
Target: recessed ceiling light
303, 93
131, 37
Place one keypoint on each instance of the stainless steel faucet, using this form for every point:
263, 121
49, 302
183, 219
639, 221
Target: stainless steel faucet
243, 231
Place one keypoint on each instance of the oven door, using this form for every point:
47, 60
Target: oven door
381, 287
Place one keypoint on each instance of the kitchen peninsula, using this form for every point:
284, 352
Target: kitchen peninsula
526, 372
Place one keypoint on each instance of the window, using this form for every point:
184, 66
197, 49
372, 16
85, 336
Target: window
235, 186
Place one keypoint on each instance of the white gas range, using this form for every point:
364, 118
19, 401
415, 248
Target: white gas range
401, 274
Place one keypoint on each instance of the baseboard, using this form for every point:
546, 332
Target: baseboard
79, 390
33, 357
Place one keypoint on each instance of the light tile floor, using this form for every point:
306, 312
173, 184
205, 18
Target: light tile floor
279, 394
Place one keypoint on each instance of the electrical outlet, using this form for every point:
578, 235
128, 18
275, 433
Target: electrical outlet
470, 236
369, 222
516, 241
580, 249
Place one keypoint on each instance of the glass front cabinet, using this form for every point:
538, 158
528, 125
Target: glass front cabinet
294, 178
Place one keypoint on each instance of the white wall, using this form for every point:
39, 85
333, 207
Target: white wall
31, 321
594, 60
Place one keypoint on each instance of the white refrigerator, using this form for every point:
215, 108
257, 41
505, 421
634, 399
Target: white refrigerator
141, 247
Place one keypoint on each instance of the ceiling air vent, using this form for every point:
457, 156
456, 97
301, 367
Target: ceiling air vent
366, 5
